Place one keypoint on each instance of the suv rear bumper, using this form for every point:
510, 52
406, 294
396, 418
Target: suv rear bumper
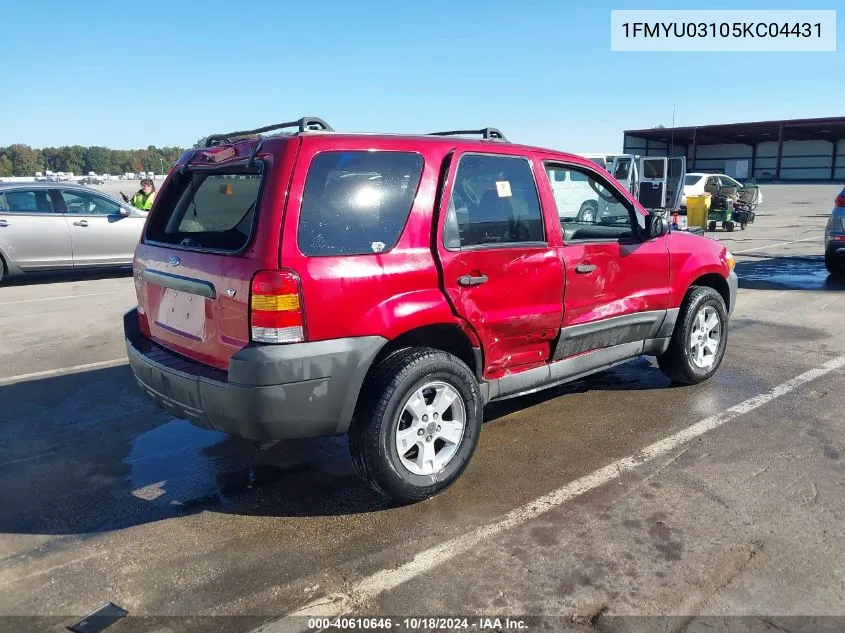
271, 392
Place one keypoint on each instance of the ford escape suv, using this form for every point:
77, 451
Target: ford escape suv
387, 287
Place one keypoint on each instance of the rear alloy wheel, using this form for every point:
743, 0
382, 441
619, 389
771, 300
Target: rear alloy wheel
699, 339
417, 424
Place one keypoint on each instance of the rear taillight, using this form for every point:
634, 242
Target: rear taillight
840, 200
275, 302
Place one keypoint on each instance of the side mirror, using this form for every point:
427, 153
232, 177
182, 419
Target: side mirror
125, 212
655, 226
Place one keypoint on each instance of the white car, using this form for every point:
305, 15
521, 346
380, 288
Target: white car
697, 183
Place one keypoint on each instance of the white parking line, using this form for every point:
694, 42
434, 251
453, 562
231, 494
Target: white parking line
760, 248
92, 294
367, 589
63, 370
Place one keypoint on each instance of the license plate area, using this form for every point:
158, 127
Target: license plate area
182, 313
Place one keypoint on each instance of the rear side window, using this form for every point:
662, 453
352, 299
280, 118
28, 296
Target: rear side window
494, 202
29, 201
214, 211
357, 202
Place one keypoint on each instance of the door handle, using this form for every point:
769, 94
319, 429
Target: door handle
81, 223
585, 268
469, 280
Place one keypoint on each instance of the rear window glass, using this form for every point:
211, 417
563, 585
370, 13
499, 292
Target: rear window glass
357, 202
213, 211
654, 168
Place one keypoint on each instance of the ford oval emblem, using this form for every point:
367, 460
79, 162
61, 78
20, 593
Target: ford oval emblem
175, 260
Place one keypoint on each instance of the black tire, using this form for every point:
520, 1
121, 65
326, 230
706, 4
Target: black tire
2, 269
676, 363
372, 432
743, 225
711, 226
728, 226
588, 209
835, 265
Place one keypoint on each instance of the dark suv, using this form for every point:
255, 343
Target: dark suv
387, 287
834, 238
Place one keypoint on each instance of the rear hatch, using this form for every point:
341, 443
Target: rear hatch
202, 245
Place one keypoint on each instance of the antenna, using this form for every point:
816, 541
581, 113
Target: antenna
672, 134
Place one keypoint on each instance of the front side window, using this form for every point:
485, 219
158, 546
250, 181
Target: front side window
588, 207
357, 202
79, 203
494, 201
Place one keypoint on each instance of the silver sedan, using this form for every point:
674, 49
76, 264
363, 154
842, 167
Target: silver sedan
63, 226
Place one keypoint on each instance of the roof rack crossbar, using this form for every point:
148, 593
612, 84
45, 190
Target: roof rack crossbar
303, 124
488, 133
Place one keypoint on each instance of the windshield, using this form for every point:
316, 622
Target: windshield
691, 180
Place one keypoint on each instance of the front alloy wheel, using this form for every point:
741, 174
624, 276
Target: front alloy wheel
705, 338
699, 339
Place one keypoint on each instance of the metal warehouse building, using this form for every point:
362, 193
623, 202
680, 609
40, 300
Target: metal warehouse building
797, 149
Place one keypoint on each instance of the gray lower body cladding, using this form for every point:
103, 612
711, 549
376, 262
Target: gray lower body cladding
585, 349
269, 393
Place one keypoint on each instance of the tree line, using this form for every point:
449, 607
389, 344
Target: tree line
23, 160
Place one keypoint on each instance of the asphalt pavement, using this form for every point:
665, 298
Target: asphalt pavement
616, 503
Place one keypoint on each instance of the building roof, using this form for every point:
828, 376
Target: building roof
827, 129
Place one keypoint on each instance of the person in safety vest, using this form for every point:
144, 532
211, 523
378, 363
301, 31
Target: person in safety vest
144, 197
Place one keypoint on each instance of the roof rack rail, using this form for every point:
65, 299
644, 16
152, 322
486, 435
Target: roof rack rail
488, 133
304, 124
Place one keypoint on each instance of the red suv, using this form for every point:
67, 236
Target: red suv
387, 287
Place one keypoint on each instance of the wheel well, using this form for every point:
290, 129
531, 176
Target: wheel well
448, 338
718, 283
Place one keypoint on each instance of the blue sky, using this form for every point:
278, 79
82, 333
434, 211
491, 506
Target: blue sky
129, 74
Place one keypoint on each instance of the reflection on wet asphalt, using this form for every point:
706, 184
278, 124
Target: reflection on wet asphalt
177, 468
762, 272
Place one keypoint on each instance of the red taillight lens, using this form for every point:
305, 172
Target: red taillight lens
840, 200
276, 307
275, 282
